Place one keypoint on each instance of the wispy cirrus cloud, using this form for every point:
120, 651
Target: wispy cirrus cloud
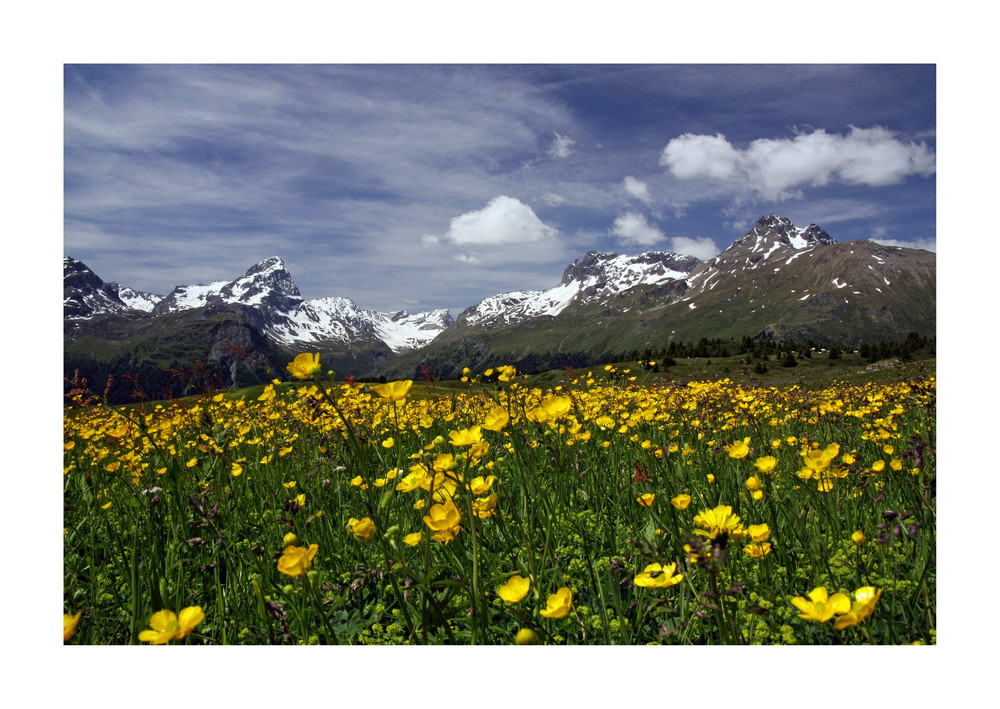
561, 146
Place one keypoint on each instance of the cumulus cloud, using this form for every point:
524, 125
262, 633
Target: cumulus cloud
632, 228
776, 168
502, 223
504, 220
560, 146
638, 189
702, 249
692, 157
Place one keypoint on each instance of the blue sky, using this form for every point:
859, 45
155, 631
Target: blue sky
429, 186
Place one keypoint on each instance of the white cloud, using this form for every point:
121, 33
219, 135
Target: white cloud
487, 235
692, 157
504, 220
638, 189
552, 199
632, 228
775, 168
560, 146
929, 244
702, 249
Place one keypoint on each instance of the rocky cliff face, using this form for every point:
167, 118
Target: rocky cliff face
86, 295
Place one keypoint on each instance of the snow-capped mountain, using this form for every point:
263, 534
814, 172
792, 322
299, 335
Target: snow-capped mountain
264, 285
339, 319
86, 295
773, 242
136, 299
777, 281
268, 296
595, 277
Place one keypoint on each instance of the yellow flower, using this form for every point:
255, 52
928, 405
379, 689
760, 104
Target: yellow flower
820, 607
720, 520
657, 576
553, 407
481, 485
417, 478
740, 449
236, 470
496, 419
484, 507
878, 466
69, 625
858, 537
411, 540
362, 529
290, 539
766, 464
297, 560
682, 501
759, 532
558, 604
388, 442
301, 499
465, 437
506, 373
393, 391
758, 551
753, 483
515, 589
445, 520
864, 603
166, 625
647, 499
819, 460
304, 366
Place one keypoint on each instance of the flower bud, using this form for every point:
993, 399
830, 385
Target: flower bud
858, 537
290, 539
526, 636
288, 590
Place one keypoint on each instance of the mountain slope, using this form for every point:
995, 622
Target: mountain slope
776, 281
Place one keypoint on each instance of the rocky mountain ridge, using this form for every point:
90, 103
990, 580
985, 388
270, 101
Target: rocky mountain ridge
267, 296
776, 281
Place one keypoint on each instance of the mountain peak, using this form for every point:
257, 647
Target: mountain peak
771, 232
272, 263
85, 294
597, 269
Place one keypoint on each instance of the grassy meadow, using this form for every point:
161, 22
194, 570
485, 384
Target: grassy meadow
609, 506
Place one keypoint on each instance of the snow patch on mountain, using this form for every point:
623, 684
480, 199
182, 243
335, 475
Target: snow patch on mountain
596, 276
135, 299
342, 320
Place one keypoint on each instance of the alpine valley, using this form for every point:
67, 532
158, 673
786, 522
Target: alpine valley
777, 281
